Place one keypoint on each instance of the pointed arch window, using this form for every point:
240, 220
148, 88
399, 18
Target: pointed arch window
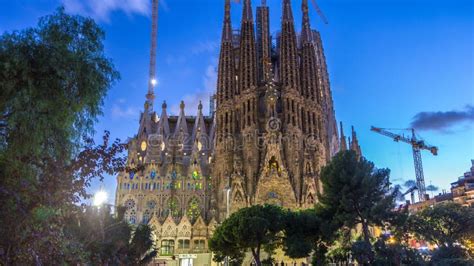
193, 211
146, 217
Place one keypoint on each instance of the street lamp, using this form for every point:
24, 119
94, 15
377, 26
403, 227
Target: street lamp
227, 189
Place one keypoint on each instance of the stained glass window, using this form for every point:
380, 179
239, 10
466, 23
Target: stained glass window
130, 204
153, 174
173, 206
146, 217
151, 204
272, 195
196, 175
174, 174
193, 210
132, 174
133, 217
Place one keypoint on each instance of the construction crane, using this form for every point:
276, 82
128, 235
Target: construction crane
152, 75
417, 146
411, 191
320, 13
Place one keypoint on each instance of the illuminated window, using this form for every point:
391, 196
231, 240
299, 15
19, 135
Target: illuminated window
167, 247
193, 210
173, 206
153, 174
195, 175
143, 146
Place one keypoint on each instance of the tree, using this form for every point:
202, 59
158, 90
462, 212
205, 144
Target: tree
444, 224
301, 233
252, 228
355, 192
53, 79
107, 239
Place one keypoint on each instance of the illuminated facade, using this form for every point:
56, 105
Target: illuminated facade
273, 129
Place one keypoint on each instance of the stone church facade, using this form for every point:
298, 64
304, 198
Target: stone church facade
272, 130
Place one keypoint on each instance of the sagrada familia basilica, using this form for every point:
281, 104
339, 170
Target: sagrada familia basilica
272, 129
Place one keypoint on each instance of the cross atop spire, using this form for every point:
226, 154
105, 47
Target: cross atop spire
247, 12
287, 12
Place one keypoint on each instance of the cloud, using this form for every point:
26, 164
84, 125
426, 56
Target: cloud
204, 47
121, 111
192, 100
175, 60
101, 9
442, 121
432, 188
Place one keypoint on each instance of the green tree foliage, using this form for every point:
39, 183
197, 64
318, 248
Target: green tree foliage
301, 232
53, 79
252, 228
453, 256
108, 240
395, 254
354, 192
444, 224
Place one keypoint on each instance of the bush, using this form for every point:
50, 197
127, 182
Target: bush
362, 252
396, 254
453, 256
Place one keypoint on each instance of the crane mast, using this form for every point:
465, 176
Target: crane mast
152, 75
417, 146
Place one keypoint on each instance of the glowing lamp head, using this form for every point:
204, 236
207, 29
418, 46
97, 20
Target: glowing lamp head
100, 198
153, 82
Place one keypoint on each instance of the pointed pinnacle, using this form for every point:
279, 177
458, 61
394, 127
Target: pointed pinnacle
306, 34
287, 12
227, 29
247, 11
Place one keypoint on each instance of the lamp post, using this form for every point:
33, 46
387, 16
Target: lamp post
227, 190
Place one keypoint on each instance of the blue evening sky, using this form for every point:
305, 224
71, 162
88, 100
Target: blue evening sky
388, 60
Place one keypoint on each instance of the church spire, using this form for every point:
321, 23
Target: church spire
226, 75
343, 140
306, 34
288, 50
355, 143
310, 87
264, 44
227, 29
247, 13
287, 13
248, 54
150, 96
